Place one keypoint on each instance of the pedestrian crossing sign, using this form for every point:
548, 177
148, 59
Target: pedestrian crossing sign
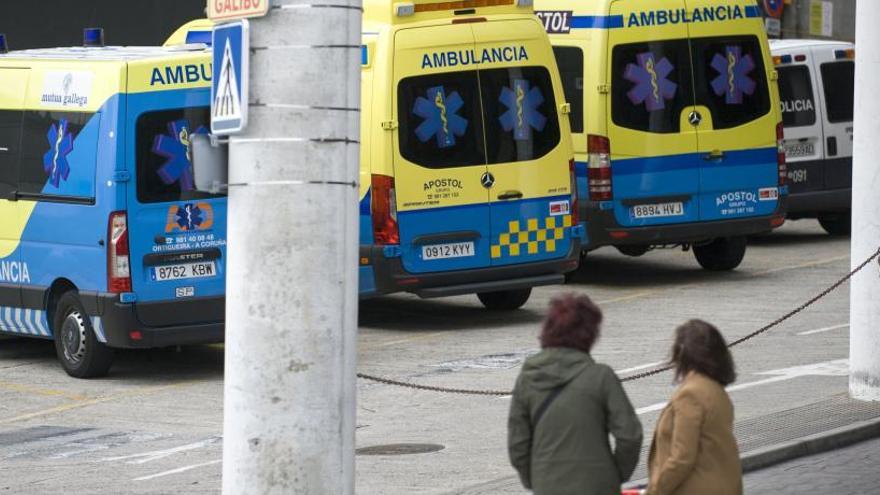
229, 85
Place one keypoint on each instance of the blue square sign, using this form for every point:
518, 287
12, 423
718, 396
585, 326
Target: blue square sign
229, 85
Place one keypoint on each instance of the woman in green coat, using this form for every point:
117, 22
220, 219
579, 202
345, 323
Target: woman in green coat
565, 406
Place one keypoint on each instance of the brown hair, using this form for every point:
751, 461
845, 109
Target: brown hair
573, 321
700, 347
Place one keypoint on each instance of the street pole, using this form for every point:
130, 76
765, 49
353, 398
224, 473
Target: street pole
864, 341
291, 299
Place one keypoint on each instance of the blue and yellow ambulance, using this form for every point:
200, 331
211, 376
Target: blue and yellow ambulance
104, 241
466, 161
676, 123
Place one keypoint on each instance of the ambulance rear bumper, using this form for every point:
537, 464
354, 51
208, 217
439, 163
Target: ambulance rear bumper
390, 276
119, 321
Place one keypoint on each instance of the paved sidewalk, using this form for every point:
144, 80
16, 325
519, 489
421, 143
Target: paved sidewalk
848, 471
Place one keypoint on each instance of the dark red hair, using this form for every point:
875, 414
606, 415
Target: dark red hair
573, 321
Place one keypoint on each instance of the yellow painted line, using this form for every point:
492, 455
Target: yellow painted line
808, 264
141, 391
46, 392
630, 297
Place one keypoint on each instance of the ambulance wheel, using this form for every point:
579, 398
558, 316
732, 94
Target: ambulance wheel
836, 224
504, 300
722, 254
80, 353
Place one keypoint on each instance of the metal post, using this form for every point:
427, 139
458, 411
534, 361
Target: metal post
864, 346
291, 305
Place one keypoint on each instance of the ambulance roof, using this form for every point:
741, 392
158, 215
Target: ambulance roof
105, 53
788, 44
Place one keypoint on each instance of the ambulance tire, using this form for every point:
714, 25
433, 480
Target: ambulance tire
505, 300
836, 224
722, 254
78, 350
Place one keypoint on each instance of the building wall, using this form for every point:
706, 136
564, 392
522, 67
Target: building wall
48, 23
796, 20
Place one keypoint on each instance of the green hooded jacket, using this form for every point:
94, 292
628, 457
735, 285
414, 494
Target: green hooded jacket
568, 451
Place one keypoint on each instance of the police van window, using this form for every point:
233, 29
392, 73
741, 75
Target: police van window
440, 120
164, 156
796, 94
730, 80
10, 140
57, 157
838, 80
519, 113
651, 85
571, 68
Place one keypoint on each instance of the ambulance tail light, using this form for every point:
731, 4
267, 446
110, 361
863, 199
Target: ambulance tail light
780, 153
599, 168
574, 192
118, 267
384, 210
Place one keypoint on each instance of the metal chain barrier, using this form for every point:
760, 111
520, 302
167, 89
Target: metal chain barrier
646, 374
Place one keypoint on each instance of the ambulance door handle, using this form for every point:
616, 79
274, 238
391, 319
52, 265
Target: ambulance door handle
714, 156
510, 195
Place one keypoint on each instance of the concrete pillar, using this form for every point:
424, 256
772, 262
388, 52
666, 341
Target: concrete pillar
864, 381
291, 299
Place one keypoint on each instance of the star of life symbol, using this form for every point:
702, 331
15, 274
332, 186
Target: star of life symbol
652, 86
522, 115
733, 80
55, 162
227, 102
441, 117
176, 148
189, 217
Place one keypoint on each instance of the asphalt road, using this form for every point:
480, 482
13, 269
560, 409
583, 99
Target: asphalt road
154, 425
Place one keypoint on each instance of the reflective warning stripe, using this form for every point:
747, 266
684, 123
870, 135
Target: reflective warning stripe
24, 321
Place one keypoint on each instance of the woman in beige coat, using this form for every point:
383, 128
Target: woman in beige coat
694, 451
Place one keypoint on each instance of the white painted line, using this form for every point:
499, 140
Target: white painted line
826, 329
639, 368
177, 471
155, 455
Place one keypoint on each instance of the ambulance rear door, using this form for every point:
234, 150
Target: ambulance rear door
527, 151
655, 168
439, 152
836, 68
13, 214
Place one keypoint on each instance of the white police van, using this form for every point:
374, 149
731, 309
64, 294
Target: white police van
816, 87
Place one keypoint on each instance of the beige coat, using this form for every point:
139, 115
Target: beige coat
694, 451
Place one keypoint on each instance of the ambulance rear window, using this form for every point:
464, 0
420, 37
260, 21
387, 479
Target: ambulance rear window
571, 68
838, 79
164, 168
651, 85
796, 94
730, 79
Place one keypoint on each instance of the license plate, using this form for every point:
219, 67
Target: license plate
186, 270
658, 210
798, 150
443, 251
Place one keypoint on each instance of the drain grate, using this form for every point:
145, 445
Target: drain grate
400, 449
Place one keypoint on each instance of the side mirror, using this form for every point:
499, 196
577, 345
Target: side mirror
210, 160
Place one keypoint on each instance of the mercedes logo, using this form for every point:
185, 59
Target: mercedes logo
487, 180
695, 118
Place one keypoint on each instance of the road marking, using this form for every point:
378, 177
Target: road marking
826, 329
100, 400
630, 297
178, 470
46, 392
808, 264
639, 368
145, 457
839, 367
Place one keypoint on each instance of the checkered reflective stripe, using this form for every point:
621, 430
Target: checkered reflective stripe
534, 239
24, 321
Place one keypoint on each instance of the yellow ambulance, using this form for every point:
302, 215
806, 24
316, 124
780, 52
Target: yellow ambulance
676, 121
466, 155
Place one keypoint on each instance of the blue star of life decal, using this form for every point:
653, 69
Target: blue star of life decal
55, 162
734, 80
189, 216
176, 148
522, 113
441, 117
652, 86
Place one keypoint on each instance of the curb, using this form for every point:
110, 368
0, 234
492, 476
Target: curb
802, 447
